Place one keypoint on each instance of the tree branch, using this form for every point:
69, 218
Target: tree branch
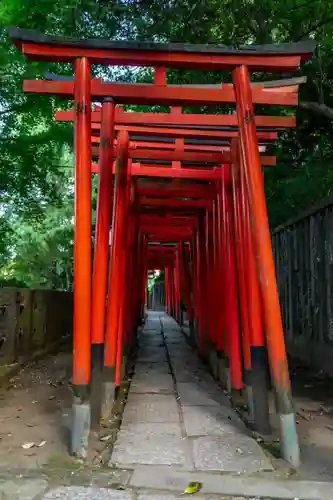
18, 107
320, 109
320, 24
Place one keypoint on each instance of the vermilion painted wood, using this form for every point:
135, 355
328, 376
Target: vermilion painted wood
263, 245
257, 333
189, 156
163, 96
183, 119
103, 222
167, 290
186, 60
82, 233
167, 173
116, 262
241, 257
175, 191
161, 56
183, 132
170, 146
169, 223
171, 203
170, 238
122, 222
221, 303
184, 282
231, 291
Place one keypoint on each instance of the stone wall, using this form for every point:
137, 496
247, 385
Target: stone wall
32, 321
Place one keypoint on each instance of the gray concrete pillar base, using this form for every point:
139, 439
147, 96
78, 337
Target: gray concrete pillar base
224, 373
221, 371
213, 362
237, 397
124, 367
289, 440
97, 356
80, 422
260, 389
192, 332
250, 407
195, 332
249, 398
108, 393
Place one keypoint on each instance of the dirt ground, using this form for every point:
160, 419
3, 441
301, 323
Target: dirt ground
313, 402
35, 419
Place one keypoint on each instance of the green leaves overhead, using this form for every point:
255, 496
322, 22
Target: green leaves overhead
37, 192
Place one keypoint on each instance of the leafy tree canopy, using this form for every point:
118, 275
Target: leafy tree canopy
36, 183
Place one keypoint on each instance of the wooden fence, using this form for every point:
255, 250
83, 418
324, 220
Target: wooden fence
32, 321
303, 250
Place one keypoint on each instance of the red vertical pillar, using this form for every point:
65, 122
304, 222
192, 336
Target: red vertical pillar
231, 296
265, 265
101, 254
196, 289
173, 291
167, 295
201, 284
221, 304
82, 259
130, 318
124, 217
259, 376
185, 280
116, 275
178, 284
241, 256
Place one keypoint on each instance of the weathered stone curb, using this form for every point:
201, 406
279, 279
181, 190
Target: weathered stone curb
162, 478
22, 489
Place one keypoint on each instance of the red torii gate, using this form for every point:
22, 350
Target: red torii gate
246, 158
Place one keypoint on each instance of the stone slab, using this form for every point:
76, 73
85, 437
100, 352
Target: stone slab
159, 384
191, 394
25, 489
83, 493
152, 368
150, 340
150, 408
175, 480
188, 374
142, 430
233, 453
180, 352
168, 496
210, 421
156, 444
152, 357
159, 446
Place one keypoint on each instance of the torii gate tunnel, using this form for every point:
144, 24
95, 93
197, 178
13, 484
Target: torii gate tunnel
183, 193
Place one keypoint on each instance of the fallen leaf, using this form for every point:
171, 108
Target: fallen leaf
27, 446
106, 438
192, 488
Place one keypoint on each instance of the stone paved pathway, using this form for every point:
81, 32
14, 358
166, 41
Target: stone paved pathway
176, 415
177, 427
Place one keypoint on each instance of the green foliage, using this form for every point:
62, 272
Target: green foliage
36, 200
